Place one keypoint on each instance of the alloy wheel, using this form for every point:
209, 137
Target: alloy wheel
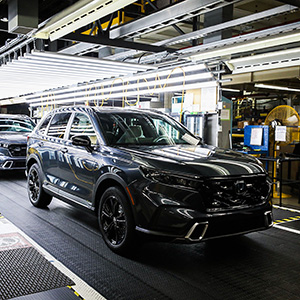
34, 185
113, 220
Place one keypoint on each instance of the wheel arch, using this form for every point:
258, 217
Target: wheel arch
111, 180
30, 161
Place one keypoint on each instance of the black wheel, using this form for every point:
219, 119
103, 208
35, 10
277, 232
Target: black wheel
115, 221
36, 194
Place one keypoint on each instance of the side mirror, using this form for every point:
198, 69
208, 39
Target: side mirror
82, 140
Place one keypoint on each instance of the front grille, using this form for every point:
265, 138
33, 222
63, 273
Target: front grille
226, 194
19, 164
235, 224
17, 149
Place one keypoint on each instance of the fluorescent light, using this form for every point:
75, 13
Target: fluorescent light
275, 87
52, 70
125, 87
266, 61
128, 94
53, 73
248, 46
78, 15
170, 72
40, 71
72, 66
233, 23
230, 90
64, 58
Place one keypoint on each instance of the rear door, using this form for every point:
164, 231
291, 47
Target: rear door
54, 146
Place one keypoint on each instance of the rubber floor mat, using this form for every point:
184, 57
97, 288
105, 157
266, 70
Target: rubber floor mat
25, 271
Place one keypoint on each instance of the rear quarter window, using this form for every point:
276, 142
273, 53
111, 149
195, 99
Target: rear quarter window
43, 126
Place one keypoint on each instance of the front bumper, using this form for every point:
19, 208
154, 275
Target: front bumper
12, 163
180, 214
202, 227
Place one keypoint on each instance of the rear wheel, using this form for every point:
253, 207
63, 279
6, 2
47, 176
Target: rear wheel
116, 221
36, 193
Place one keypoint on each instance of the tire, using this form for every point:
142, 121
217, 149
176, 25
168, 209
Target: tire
116, 221
37, 196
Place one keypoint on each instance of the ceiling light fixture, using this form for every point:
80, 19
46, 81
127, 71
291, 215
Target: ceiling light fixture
124, 87
40, 71
78, 15
63, 58
241, 45
141, 77
266, 61
233, 23
231, 90
93, 97
275, 87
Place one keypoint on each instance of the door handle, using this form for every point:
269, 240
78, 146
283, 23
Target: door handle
64, 150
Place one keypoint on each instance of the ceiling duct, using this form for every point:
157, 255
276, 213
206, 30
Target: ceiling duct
22, 16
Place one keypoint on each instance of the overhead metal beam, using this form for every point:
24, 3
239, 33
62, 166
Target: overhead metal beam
100, 40
291, 2
3, 26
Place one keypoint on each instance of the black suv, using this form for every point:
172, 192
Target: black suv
13, 138
143, 172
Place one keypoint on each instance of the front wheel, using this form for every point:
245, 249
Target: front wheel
36, 193
116, 221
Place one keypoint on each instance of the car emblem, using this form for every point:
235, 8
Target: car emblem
239, 187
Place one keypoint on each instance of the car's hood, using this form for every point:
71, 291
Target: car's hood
13, 138
201, 160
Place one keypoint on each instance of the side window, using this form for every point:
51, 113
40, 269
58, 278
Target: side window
58, 125
112, 128
82, 125
43, 126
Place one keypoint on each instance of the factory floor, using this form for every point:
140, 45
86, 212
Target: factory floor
58, 253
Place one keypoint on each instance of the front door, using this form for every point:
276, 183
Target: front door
79, 165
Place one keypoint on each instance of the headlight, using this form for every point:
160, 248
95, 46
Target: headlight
167, 178
4, 145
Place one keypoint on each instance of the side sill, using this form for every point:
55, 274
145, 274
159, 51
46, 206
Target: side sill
71, 199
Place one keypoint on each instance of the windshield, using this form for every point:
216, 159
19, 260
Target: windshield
138, 128
16, 125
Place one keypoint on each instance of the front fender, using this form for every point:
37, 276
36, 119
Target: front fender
112, 179
33, 156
